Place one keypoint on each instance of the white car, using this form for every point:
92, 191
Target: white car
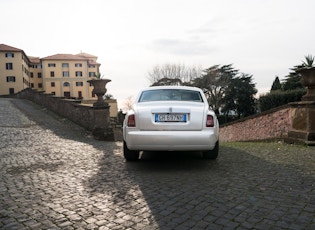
170, 118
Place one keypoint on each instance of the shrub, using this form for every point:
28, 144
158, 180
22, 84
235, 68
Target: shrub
277, 98
223, 119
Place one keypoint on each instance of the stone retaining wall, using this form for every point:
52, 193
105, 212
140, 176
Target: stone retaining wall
68, 108
272, 124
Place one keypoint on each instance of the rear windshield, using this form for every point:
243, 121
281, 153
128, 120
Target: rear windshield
170, 95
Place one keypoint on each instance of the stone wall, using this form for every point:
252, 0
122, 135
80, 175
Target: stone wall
71, 109
269, 125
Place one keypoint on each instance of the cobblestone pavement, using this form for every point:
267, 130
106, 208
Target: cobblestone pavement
54, 175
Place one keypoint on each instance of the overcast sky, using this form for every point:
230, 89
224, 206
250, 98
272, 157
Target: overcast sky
264, 38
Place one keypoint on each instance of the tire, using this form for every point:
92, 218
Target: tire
130, 155
212, 154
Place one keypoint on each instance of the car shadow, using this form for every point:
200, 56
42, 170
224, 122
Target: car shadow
181, 189
170, 161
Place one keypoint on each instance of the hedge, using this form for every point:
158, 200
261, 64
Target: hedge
277, 98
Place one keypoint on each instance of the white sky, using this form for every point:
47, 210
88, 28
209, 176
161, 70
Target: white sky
264, 38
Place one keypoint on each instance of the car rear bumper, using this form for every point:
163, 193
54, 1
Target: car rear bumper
170, 140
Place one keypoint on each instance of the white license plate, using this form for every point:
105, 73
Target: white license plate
170, 117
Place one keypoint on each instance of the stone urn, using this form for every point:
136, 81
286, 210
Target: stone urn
99, 89
308, 80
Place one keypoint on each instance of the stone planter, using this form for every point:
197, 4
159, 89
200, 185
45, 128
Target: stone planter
308, 80
99, 89
102, 129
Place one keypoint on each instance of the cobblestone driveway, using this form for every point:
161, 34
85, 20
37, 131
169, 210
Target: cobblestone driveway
54, 175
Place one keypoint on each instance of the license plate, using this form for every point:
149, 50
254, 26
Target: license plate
170, 117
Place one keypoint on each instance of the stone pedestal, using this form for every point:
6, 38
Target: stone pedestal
102, 129
303, 122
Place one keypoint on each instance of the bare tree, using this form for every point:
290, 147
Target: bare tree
128, 103
173, 74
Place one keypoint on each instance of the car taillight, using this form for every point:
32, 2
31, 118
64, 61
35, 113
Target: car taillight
210, 121
131, 121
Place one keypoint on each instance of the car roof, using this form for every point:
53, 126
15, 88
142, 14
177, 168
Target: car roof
172, 87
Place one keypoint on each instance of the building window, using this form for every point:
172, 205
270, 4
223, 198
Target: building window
39, 75
53, 93
51, 65
9, 55
80, 83
52, 84
40, 85
32, 85
91, 66
65, 64
78, 65
92, 74
66, 84
9, 65
78, 73
52, 73
11, 90
38, 66
32, 74
65, 73
10, 79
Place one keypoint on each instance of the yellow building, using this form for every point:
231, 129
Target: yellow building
14, 70
35, 70
63, 75
66, 75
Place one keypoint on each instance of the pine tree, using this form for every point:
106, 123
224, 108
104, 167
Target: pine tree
276, 85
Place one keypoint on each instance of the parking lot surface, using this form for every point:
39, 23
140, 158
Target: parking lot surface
54, 175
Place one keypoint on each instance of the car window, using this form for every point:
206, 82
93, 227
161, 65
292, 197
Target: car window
170, 95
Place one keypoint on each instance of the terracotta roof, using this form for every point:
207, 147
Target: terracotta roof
34, 59
4, 47
64, 57
86, 55
81, 56
91, 62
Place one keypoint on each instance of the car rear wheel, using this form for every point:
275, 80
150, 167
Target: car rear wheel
130, 155
212, 154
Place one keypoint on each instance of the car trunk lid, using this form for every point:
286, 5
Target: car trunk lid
180, 117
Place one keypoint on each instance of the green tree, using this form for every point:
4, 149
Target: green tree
276, 85
293, 90
168, 81
293, 80
108, 96
309, 61
214, 83
240, 96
